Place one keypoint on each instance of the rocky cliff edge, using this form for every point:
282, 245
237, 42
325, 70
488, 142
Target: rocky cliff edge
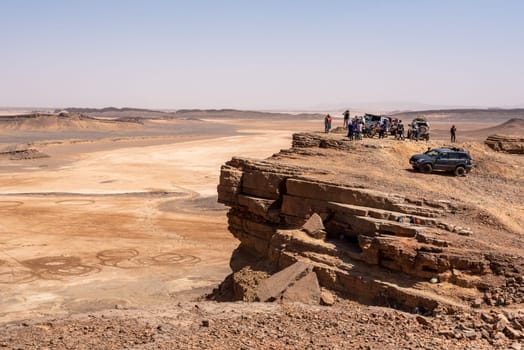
417, 253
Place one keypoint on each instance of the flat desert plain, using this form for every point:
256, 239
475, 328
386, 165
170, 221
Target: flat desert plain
119, 219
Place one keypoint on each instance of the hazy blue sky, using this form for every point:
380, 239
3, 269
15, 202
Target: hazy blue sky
262, 54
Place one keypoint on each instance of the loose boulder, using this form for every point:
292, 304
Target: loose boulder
272, 288
314, 227
306, 290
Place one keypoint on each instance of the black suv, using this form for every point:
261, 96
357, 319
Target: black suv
456, 160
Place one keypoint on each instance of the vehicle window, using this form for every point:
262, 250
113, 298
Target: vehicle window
432, 153
444, 156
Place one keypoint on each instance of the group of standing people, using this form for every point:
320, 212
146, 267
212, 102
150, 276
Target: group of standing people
356, 125
355, 128
399, 133
328, 121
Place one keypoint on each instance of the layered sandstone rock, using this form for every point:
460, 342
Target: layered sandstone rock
506, 144
376, 247
22, 154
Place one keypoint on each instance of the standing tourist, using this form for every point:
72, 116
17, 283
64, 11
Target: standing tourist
382, 130
453, 132
351, 127
358, 133
327, 123
400, 131
346, 118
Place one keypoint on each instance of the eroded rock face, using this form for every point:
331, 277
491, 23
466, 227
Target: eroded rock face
379, 248
506, 144
22, 154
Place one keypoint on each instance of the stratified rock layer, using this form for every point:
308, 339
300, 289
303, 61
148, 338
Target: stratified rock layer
379, 248
508, 144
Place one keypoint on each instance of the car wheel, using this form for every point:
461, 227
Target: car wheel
460, 171
426, 168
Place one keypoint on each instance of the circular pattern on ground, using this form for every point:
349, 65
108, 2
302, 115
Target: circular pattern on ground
118, 257
54, 267
174, 258
111, 254
127, 258
17, 276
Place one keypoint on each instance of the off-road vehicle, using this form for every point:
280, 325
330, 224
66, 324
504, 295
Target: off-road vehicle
419, 129
452, 159
371, 121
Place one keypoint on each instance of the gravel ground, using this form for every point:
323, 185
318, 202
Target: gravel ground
211, 325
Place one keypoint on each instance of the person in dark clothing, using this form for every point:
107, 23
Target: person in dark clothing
400, 131
358, 129
346, 118
453, 132
351, 128
382, 130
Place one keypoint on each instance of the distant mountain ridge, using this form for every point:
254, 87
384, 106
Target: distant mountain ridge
128, 112
445, 115
470, 114
64, 121
105, 109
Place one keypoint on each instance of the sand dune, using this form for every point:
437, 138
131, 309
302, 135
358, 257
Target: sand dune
512, 127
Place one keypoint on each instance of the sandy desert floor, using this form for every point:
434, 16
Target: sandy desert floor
133, 221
